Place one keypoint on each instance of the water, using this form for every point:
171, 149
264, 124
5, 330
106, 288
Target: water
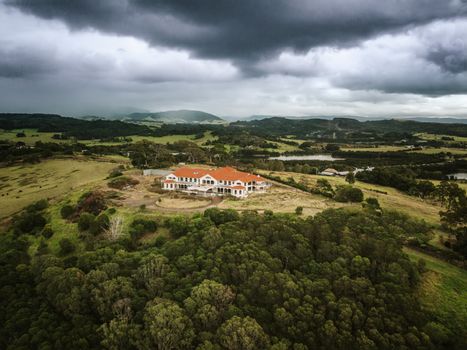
323, 157
458, 176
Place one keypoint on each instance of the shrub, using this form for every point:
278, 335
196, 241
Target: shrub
141, 226
47, 232
160, 241
38, 206
66, 211
121, 182
85, 221
28, 222
348, 194
66, 246
219, 217
178, 225
91, 202
115, 173
99, 224
299, 210
112, 211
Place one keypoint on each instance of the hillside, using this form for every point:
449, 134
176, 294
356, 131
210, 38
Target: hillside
178, 116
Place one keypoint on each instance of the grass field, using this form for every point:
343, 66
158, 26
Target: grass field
427, 136
443, 292
393, 199
25, 184
157, 139
32, 136
433, 150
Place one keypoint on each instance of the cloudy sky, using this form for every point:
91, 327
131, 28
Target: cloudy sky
389, 58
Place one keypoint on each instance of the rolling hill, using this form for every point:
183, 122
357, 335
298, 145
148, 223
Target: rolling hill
178, 116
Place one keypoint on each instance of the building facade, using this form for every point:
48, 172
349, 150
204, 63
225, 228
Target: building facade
211, 182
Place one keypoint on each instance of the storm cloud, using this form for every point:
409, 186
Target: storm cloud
323, 56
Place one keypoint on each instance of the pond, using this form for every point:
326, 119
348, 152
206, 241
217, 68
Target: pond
323, 157
458, 176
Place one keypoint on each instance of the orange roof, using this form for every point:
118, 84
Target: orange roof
190, 172
225, 174
169, 181
238, 187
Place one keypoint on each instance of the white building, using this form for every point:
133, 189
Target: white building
210, 182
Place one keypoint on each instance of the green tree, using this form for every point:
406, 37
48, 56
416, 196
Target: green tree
167, 325
242, 334
350, 178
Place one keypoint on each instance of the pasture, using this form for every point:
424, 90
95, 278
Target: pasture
22, 185
443, 291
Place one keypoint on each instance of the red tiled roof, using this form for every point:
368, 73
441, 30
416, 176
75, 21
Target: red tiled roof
190, 172
225, 174
238, 187
169, 181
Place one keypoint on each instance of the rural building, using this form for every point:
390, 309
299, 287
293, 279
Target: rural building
329, 172
211, 182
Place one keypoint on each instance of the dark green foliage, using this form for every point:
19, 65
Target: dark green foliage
338, 280
66, 246
372, 204
99, 224
178, 225
85, 221
66, 211
141, 226
31, 220
220, 217
115, 173
348, 193
47, 232
350, 178
299, 210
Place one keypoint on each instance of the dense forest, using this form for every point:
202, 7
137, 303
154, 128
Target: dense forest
223, 280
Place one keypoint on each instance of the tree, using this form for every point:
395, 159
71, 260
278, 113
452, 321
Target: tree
167, 325
242, 334
66, 211
85, 221
299, 210
208, 304
350, 178
348, 194
66, 246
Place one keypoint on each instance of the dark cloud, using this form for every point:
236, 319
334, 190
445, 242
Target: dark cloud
244, 30
23, 63
452, 59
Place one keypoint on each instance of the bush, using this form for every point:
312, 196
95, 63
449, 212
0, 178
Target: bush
219, 217
91, 202
66, 246
28, 222
85, 221
121, 182
141, 226
160, 241
348, 194
299, 210
178, 225
100, 224
66, 211
38, 206
115, 173
47, 232
112, 211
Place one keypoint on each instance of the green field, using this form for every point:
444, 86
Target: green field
157, 139
427, 136
443, 292
32, 136
375, 149
24, 184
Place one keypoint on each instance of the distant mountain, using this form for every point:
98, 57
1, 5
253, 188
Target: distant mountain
179, 116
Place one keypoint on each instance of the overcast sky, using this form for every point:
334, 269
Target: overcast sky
388, 58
